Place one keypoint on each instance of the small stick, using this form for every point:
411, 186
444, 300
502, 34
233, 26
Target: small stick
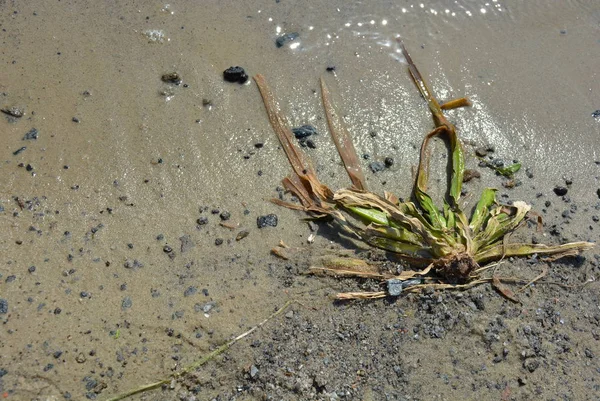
202, 360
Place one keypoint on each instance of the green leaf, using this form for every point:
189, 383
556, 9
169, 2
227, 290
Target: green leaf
393, 233
503, 219
401, 248
508, 171
371, 215
481, 213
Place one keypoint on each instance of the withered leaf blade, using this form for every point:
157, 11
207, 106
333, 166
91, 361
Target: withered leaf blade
343, 141
504, 290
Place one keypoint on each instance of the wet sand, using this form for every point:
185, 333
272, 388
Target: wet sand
109, 281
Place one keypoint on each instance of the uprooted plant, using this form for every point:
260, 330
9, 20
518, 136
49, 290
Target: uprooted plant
451, 250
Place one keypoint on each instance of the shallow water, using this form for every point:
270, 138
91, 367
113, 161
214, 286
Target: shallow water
145, 157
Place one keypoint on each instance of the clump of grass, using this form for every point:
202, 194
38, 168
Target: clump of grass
446, 248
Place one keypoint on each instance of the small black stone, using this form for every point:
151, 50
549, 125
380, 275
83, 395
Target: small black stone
330, 68
16, 152
598, 192
202, 221
235, 74
389, 162
75, 119
268, 220
219, 241
31, 269
225, 215
304, 131
167, 249
560, 191
596, 114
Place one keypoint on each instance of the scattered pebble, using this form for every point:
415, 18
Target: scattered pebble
219, 241
3, 306
126, 303
560, 191
171, 78
22, 148
304, 131
376, 167
285, 38
235, 74
190, 291
394, 287
389, 162
470, 174
31, 135
596, 114
242, 234
268, 220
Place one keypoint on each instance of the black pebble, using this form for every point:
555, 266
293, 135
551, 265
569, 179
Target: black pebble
31, 269
596, 114
235, 74
75, 119
304, 131
330, 68
560, 191
268, 220
16, 152
598, 192
225, 216
389, 162
202, 221
219, 241
288, 37
167, 249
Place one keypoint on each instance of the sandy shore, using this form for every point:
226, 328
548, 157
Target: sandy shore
123, 197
